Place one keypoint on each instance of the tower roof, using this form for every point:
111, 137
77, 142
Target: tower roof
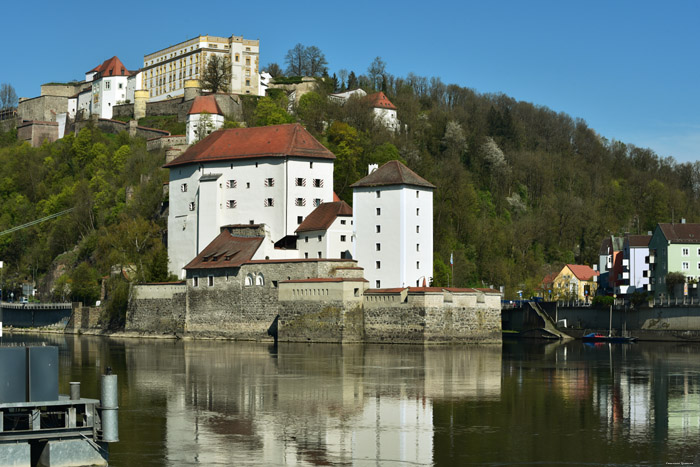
323, 216
379, 100
392, 173
205, 104
111, 67
247, 143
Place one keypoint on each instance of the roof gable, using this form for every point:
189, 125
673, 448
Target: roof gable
392, 173
206, 104
246, 143
379, 100
323, 216
681, 233
111, 67
582, 272
226, 251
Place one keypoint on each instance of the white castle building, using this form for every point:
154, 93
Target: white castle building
165, 71
282, 177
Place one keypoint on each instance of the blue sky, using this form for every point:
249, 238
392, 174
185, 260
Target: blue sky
630, 69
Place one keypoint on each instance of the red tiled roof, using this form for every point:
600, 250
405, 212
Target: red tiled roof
384, 291
226, 251
549, 278
638, 240
335, 197
323, 216
301, 260
326, 279
111, 67
245, 143
582, 272
681, 233
392, 173
379, 99
205, 104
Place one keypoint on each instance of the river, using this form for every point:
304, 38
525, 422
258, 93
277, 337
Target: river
242, 403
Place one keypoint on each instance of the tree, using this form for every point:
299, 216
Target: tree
204, 126
343, 76
274, 69
8, 97
352, 81
377, 72
217, 74
305, 61
269, 113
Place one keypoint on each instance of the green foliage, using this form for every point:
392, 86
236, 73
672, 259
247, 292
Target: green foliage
163, 122
84, 284
603, 300
674, 279
269, 112
287, 80
117, 302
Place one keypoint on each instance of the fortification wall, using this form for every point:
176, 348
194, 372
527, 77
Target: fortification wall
321, 321
42, 108
35, 133
157, 308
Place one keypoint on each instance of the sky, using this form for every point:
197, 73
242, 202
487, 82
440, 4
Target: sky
630, 69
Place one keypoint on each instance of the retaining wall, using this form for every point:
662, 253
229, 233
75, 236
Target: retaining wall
157, 308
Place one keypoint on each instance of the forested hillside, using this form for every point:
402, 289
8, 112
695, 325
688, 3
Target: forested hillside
520, 189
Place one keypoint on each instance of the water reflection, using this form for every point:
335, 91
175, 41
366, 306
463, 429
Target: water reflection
209, 403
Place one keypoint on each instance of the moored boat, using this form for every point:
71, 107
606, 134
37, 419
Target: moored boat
597, 337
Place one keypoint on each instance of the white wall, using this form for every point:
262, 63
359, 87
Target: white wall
401, 263
387, 117
192, 126
322, 169
329, 242
106, 92
638, 265
182, 223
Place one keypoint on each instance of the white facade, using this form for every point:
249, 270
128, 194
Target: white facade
394, 234
199, 126
636, 273
387, 117
278, 192
106, 92
134, 83
335, 242
165, 71
84, 101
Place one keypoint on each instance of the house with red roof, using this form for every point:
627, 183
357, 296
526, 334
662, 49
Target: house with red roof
204, 117
384, 110
110, 81
327, 232
573, 282
272, 175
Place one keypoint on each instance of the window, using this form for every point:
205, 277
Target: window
378, 264
378, 247
191, 206
685, 266
377, 284
306, 239
417, 264
320, 238
247, 184
317, 203
311, 165
342, 222
418, 229
108, 85
231, 184
318, 183
306, 255
417, 211
269, 182
269, 202
300, 219
417, 246
183, 187
121, 85
379, 211
320, 255
379, 194
231, 204
300, 181
247, 82
417, 194
210, 281
300, 202
195, 281
259, 279
378, 228
686, 251
247, 61
342, 239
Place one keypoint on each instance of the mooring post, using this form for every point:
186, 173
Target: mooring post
110, 422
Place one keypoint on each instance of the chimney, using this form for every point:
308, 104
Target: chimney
595, 267
683, 221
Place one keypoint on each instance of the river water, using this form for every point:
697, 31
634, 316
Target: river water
235, 403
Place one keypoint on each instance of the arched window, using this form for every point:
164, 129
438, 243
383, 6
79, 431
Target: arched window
260, 279
249, 280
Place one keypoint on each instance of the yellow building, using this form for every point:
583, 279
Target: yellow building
573, 282
165, 71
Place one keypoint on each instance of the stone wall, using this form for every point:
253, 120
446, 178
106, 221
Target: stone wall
115, 127
83, 317
230, 105
63, 89
35, 133
673, 318
123, 110
42, 108
165, 142
157, 308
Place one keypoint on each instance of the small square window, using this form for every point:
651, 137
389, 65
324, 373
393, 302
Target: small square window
183, 187
230, 184
319, 238
306, 255
342, 238
269, 202
417, 211
231, 204
378, 264
247, 184
686, 251
195, 281
300, 219
418, 229
417, 246
342, 222
378, 228
319, 255
318, 183
269, 182
300, 202
379, 194
417, 264
210, 281
306, 239
191, 206
379, 211
300, 181
686, 266
378, 284
378, 247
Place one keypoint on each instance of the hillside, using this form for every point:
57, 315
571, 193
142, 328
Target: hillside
521, 189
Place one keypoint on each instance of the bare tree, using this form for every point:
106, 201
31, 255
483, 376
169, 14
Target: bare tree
274, 69
316, 61
296, 60
217, 74
305, 61
343, 76
8, 96
377, 72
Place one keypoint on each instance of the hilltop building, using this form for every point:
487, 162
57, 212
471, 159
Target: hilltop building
384, 111
204, 117
165, 71
110, 81
393, 220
